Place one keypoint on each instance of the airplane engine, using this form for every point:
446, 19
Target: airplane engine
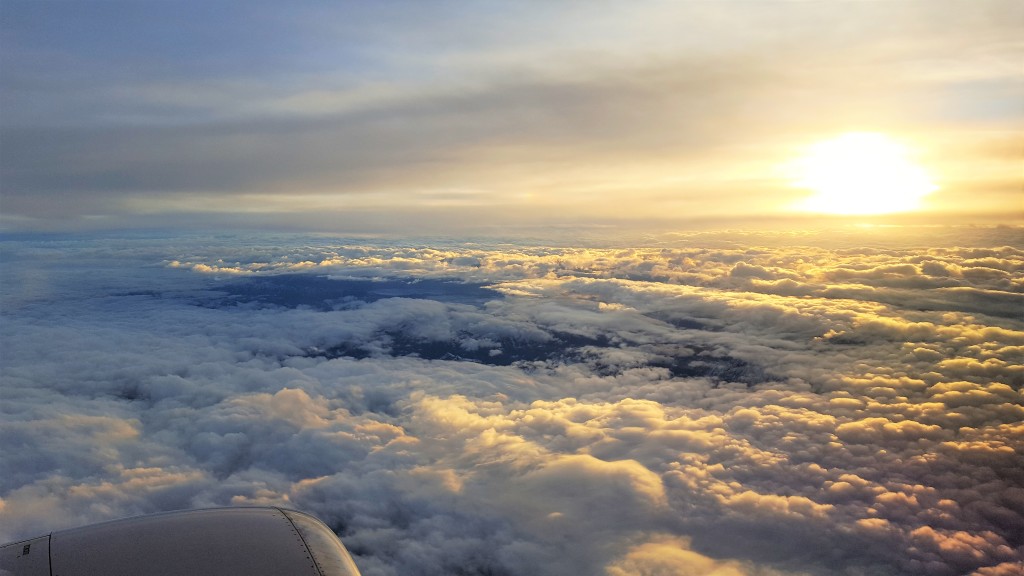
256, 541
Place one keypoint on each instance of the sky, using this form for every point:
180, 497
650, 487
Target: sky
596, 288
481, 116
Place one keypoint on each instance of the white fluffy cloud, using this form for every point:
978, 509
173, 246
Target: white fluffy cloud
703, 407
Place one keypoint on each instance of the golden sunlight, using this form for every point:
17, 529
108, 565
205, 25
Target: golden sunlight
861, 173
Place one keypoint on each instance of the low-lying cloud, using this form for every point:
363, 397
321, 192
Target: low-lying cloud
742, 406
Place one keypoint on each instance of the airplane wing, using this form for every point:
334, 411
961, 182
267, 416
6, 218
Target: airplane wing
207, 542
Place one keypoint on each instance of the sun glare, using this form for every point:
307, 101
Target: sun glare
861, 174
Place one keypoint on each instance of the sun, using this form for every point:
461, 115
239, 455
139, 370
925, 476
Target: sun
861, 173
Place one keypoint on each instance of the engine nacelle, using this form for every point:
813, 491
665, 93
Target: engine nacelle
206, 542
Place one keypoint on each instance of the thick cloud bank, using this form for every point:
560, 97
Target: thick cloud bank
728, 405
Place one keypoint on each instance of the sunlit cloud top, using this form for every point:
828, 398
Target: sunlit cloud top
347, 116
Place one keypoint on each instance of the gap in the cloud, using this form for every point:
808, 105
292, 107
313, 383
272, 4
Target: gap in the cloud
544, 350
558, 349
326, 293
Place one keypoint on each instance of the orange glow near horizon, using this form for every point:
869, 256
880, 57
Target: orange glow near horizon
861, 173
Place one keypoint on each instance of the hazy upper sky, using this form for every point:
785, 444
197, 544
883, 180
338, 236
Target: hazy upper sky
442, 115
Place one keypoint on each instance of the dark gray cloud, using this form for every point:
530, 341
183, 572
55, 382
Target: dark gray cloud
733, 404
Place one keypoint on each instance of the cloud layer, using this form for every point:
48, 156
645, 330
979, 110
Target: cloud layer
729, 405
